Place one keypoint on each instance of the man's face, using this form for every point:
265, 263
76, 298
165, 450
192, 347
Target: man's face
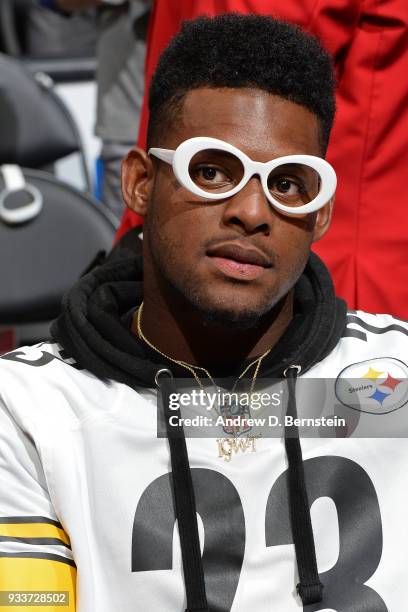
206, 250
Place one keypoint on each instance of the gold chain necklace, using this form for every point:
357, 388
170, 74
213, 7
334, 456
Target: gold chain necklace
223, 451
191, 368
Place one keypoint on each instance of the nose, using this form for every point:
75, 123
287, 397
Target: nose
249, 209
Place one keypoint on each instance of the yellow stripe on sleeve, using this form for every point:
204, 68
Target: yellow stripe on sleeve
33, 530
19, 574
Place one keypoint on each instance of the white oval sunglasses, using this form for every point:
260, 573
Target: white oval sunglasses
214, 169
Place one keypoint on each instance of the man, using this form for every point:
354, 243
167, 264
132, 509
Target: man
368, 42
234, 190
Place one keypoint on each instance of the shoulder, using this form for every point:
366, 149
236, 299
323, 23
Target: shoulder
36, 365
368, 340
376, 328
40, 383
380, 339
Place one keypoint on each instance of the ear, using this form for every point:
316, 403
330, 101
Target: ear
323, 220
137, 175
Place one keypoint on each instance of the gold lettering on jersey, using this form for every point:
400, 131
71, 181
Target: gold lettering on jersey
227, 447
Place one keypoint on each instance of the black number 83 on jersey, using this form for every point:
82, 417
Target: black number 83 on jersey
340, 479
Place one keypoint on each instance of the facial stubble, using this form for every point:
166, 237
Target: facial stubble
184, 284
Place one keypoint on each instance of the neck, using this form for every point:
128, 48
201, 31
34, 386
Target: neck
181, 332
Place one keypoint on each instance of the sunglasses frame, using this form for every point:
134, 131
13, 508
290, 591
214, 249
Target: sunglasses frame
180, 160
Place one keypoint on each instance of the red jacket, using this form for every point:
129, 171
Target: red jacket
366, 247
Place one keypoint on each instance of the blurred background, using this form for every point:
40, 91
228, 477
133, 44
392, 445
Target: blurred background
71, 91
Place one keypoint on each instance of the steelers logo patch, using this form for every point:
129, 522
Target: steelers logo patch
376, 386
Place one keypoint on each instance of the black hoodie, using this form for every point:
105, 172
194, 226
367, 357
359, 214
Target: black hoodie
94, 329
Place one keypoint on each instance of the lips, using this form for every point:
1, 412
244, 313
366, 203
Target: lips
239, 262
240, 254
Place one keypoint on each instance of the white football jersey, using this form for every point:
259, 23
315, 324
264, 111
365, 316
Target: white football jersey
85, 487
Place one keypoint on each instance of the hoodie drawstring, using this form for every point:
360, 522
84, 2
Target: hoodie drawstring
184, 502
310, 589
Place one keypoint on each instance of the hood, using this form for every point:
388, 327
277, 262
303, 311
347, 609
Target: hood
93, 327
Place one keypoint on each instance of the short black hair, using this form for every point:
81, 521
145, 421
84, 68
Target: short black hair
235, 50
